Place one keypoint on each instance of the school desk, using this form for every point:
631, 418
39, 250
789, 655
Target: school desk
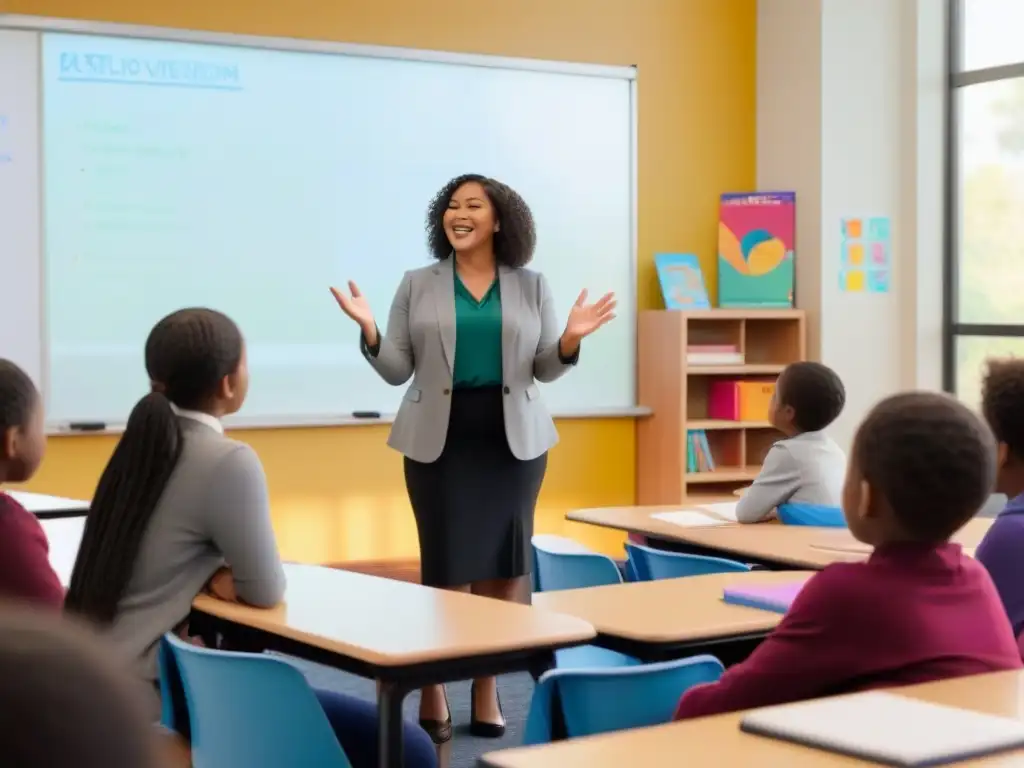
717, 741
65, 537
771, 544
403, 635
672, 618
48, 507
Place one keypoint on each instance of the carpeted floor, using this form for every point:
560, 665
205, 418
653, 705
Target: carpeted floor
515, 690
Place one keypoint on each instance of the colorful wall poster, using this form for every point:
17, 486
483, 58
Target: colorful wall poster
865, 257
756, 244
682, 282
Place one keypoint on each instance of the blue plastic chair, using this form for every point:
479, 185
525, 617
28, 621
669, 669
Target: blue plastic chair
651, 564
252, 711
173, 709
811, 514
602, 700
565, 564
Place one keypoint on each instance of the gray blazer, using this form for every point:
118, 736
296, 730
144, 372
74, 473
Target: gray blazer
420, 343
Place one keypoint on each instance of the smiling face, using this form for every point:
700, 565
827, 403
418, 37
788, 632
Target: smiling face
470, 221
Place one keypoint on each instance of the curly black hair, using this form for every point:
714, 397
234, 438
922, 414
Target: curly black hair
188, 353
814, 392
931, 458
18, 396
515, 240
1002, 402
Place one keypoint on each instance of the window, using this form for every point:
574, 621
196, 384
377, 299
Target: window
985, 270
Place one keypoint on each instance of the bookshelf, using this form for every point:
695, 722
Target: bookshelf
676, 390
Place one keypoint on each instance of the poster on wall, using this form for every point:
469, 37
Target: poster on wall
865, 255
756, 246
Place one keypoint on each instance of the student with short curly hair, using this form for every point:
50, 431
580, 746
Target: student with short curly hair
919, 608
1002, 549
475, 331
63, 702
806, 466
25, 570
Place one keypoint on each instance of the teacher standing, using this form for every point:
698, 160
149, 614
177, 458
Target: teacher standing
476, 331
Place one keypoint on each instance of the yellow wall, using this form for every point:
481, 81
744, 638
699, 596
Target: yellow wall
696, 62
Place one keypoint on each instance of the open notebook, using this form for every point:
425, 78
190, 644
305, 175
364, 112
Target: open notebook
774, 597
888, 729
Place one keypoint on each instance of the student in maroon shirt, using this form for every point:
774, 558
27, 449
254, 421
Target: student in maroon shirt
918, 609
25, 571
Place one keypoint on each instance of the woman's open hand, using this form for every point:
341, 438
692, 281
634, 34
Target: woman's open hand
585, 318
355, 305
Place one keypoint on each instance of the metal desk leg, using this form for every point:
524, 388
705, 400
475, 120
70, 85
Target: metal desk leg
389, 726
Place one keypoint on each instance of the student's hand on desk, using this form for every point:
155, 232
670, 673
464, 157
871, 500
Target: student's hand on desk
355, 305
222, 586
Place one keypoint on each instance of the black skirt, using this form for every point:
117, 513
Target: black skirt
474, 506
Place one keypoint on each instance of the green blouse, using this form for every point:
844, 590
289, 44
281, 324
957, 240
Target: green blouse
477, 337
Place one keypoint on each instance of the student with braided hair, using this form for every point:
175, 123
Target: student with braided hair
25, 570
181, 508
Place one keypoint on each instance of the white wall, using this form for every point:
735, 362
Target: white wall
850, 116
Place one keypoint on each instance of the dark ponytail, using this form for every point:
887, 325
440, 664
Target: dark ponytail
188, 354
126, 497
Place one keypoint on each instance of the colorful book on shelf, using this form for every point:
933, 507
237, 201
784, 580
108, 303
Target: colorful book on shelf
714, 354
682, 281
756, 236
777, 597
698, 452
740, 400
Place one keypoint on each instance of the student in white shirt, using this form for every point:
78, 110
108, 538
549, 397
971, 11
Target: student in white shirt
805, 467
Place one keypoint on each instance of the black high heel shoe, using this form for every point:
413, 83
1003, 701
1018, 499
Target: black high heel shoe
481, 728
439, 731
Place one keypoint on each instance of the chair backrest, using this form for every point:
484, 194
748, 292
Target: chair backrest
818, 515
561, 567
173, 707
252, 711
601, 700
650, 564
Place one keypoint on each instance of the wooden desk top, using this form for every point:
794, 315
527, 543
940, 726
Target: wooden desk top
669, 610
389, 623
794, 545
717, 741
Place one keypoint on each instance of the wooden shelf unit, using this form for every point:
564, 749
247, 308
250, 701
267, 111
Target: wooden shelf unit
676, 392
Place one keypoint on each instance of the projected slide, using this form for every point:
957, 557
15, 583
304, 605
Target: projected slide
250, 180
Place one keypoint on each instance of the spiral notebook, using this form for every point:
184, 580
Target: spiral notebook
888, 729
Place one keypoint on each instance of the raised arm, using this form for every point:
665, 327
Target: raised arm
556, 353
391, 354
775, 484
239, 515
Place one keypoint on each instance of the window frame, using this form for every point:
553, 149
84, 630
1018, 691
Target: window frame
958, 78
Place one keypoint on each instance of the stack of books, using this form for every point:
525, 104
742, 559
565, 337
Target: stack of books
714, 354
698, 452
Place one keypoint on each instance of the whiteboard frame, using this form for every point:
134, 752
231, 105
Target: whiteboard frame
42, 25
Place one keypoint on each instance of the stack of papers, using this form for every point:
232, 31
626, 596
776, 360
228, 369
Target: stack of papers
688, 518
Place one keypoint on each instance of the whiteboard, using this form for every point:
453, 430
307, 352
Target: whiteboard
145, 170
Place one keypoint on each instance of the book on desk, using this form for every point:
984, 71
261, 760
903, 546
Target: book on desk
888, 728
773, 597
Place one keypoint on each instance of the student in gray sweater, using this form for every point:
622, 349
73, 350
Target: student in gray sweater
805, 467
181, 508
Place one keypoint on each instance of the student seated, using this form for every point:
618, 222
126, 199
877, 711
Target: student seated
181, 508
1002, 549
918, 609
25, 570
805, 467
63, 702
